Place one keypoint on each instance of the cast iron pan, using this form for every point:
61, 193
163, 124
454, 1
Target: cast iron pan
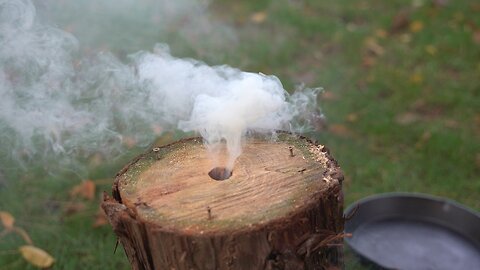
414, 231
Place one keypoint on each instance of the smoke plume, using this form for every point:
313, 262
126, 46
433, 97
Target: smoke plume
57, 107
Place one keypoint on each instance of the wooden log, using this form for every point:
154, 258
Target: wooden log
280, 208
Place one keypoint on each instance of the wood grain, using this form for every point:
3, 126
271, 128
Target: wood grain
266, 184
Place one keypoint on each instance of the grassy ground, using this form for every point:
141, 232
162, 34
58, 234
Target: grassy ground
402, 93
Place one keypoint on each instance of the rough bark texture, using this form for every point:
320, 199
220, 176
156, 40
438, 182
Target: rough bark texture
307, 236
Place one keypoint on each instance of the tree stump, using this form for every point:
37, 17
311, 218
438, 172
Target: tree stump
280, 208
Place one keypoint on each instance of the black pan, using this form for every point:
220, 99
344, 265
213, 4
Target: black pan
414, 231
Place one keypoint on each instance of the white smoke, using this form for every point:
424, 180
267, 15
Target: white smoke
221, 103
56, 105
125, 26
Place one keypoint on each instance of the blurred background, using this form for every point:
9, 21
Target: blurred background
401, 99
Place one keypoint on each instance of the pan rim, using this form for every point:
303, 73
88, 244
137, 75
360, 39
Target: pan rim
416, 195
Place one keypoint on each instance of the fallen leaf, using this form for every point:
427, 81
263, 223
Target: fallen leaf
381, 33
7, 220
430, 49
157, 129
351, 27
425, 110
96, 160
405, 38
361, 84
36, 256
458, 17
352, 117
407, 118
368, 61
419, 104
416, 78
440, 3
426, 135
400, 22
86, 189
476, 37
416, 26
339, 129
370, 78
475, 7
129, 141
418, 3
328, 95
73, 208
100, 218
258, 17
372, 46
450, 123
476, 119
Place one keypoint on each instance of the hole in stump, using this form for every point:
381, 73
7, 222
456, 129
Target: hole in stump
220, 173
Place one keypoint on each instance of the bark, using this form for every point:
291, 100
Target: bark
304, 234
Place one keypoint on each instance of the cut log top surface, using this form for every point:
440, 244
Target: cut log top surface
170, 186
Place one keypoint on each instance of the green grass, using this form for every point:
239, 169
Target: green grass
410, 121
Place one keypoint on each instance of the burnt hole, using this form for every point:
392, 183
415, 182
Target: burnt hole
220, 173
273, 256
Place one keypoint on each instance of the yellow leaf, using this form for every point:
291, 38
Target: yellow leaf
36, 256
7, 220
259, 17
431, 49
416, 78
416, 26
